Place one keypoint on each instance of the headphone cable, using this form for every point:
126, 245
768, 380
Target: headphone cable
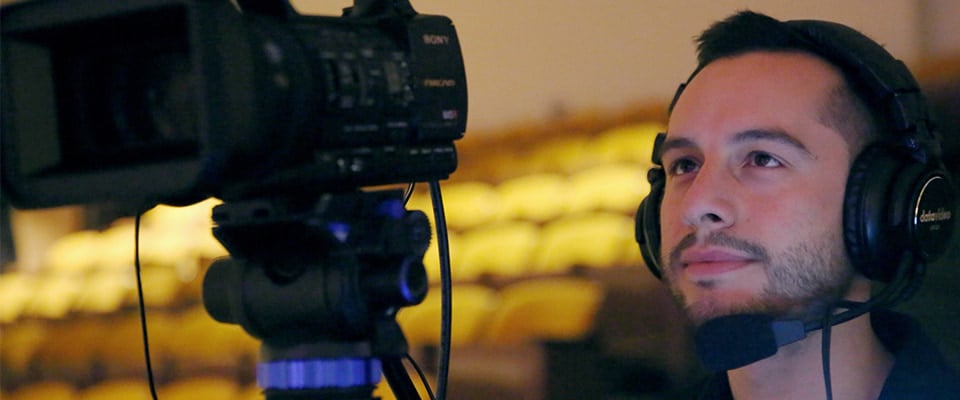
825, 352
900, 288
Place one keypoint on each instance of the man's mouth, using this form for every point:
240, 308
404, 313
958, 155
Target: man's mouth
698, 263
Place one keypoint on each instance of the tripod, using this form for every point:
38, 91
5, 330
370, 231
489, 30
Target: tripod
319, 280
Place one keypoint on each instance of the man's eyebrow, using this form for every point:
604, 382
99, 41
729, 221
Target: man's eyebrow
673, 143
774, 135
750, 135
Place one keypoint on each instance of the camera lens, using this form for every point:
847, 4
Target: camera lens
153, 101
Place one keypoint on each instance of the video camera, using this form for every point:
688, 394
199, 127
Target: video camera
179, 100
288, 119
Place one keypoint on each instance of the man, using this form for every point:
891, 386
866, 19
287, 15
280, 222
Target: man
755, 165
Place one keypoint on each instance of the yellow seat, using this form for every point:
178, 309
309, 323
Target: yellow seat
471, 307
119, 348
16, 292
66, 352
555, 309
609, 187
502, 248
19, 345
431, 260
562, 155
117, 247
200, 387
199, 344
533, 197
77, 252
117, 389
55, 295
104, 292
46, 390
631, 143
595, 240
163, 287
469, 204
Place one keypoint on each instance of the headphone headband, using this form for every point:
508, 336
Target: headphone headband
882, 81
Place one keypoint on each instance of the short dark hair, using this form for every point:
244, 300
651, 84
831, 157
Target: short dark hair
846, 109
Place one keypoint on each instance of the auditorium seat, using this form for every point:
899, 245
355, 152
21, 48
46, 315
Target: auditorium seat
200, 387
431, 260
471, 305
555, 309
617, 187
45, 390
19, 344
631, 143
68, 352
595, 240
76, 252
534, 197
468, 204
117, 389
563, 154
501, 249
16, 293
200, 345
119, 349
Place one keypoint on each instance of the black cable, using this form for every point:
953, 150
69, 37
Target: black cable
903, 285
408, 192
825, 352
446, 303
423, 377
143, 311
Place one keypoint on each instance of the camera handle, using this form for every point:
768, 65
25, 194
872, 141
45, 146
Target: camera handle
319, 280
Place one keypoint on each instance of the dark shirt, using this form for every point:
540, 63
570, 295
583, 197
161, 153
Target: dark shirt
919, 370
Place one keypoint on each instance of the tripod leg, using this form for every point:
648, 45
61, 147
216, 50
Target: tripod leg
399, 379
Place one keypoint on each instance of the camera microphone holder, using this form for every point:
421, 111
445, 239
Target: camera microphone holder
318, 279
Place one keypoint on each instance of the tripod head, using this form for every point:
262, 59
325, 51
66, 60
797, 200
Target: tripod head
319, 281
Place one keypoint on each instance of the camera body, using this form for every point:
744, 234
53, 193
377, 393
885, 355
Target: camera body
174, 101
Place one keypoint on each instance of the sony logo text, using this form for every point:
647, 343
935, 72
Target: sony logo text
436, 39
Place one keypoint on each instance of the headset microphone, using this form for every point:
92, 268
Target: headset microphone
733, 341
737, 340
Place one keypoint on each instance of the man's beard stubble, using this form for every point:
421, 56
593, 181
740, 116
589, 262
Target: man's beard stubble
802, 282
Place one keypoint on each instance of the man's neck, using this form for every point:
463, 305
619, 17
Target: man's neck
859, 365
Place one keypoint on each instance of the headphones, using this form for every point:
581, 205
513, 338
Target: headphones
899, 198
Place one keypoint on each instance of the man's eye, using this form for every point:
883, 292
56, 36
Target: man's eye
683, 166
763, 160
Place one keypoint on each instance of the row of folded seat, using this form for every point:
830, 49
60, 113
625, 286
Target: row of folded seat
92, 272
187, 342
547, 211
193, 388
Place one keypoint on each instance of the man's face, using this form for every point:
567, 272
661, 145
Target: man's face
752, 209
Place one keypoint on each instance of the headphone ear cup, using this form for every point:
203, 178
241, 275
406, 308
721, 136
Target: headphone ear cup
647, 223
866, 234
885, 195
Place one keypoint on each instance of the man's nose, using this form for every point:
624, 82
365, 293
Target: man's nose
708, 202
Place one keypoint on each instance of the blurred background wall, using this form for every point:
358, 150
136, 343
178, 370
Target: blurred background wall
538, 58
